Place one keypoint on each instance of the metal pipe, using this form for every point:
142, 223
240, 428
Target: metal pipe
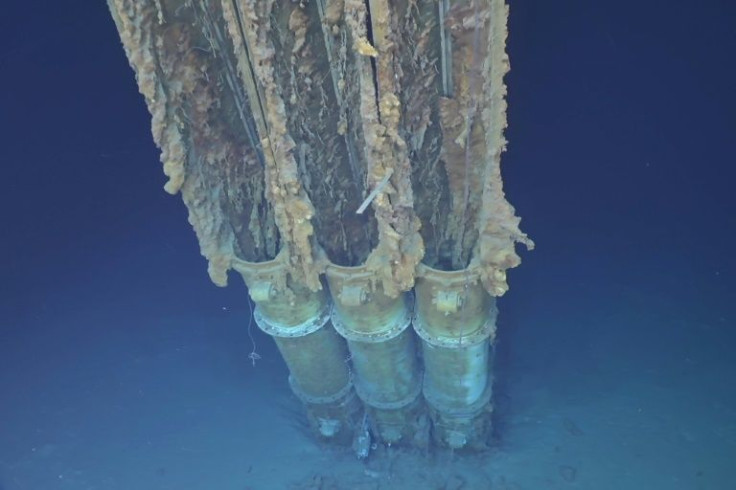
383, 353
298, 319
456, 320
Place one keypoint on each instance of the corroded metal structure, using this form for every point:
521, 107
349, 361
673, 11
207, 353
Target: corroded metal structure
343, 156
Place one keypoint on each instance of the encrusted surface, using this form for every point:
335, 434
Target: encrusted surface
328, 168
200, 120
497, 224
455, 128
294, 210
278, 121
400, 246
417, 37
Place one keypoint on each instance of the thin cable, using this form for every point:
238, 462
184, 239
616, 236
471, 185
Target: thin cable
253, 356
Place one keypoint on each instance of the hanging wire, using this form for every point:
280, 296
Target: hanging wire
253, 356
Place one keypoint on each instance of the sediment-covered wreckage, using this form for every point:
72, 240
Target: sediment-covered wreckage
343, 156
